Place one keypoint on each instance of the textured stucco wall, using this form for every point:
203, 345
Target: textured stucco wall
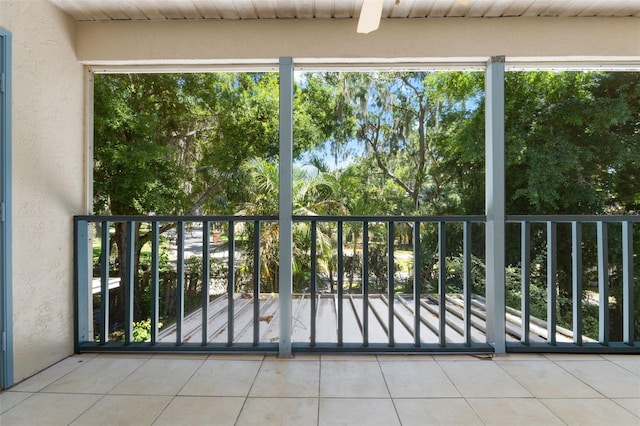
334, 41
48, 179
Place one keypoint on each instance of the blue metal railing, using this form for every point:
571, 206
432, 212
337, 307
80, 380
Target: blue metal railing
409, 311
180, 333
599, 247
433, 303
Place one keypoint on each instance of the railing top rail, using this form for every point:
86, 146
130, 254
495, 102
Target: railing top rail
571, 218
390, 218
174, 218
360, 218
296, 218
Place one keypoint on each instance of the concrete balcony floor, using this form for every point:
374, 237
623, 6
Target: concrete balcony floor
385, 390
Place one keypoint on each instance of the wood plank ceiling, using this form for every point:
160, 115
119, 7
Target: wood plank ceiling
159, 10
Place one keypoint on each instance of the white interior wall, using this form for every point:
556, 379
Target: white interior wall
48, 179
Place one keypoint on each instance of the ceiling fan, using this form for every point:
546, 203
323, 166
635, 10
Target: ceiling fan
371, 13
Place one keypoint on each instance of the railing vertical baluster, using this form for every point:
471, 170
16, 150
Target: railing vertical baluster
417, 283
314, 277
340, 283
467, 282
391, 282
525, 280
129, 282
442, 281
180, 283
206, 280
627, 283
603, 283
256, 282
105, 245
365, 283
155, 280
82, 280
576, 280
552, 274
231, 279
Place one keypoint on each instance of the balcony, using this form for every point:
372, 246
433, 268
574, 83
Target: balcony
350, 304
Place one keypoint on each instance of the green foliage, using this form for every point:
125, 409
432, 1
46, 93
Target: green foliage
142, 330
174, 143
208, 143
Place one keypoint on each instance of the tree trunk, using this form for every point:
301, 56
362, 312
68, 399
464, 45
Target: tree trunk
116, 304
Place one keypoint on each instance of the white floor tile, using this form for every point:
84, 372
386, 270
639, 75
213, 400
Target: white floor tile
352, 379
628, 362
222, 377
123, 410
198, 410
360, 411
158, 376
404, 357
48, 409
482, 379
545, 379
417, 380
98, 375
9, 399
590, 412
237, 357
607, 378
53, 373
279, 411
436, 411
504, 411
631, 404
289, 378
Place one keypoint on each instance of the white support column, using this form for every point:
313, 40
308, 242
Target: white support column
285, 216
88, 172
495, 203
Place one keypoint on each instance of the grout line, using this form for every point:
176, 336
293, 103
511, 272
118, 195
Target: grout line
18, 404
126, 377
615, 401
611, 361
530, 391
178, 391
549, 408
466, 400
244, 403
386, 384
88, 408
319, 388
578, 378
79, 364
449, 378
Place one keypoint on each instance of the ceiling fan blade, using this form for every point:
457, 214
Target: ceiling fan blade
370, 15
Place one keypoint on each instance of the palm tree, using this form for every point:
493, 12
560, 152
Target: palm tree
313, 194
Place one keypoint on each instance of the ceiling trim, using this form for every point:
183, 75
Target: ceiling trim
230, 10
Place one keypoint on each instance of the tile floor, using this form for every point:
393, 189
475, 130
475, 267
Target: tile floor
329, 390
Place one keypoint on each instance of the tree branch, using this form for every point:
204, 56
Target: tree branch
382, 166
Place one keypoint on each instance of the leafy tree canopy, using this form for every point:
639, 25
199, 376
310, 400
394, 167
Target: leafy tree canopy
174, 143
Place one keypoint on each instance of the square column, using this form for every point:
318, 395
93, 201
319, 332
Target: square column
285, 212
6, 294
495, 203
